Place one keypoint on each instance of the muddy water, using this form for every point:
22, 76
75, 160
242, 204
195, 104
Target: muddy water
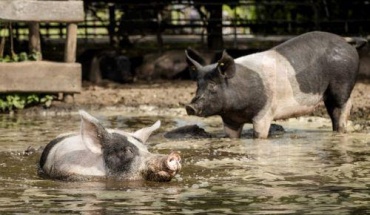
307, 170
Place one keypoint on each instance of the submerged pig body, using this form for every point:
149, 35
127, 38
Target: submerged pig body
99, 152
286, 81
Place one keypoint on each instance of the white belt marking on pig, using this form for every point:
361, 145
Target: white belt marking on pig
73, 144
86, 166
281, 85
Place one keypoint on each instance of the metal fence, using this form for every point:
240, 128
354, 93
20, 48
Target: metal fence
239, 18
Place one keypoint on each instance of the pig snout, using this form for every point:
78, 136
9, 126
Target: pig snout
194, 109
190, 109
164, 168
173, 162
195, 106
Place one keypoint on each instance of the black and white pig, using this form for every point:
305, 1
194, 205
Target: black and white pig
99, 152
286, 81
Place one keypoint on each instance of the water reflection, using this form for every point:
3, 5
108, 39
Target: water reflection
308, 170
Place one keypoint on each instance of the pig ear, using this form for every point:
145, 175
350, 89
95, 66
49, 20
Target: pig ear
144, 133
194, 66
226, 65
92, 132
196, 56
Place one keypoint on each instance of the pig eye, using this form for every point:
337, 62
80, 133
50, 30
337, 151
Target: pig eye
128, 150
212, 87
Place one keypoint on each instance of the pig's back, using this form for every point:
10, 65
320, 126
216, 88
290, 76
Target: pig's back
318, 58
297, 73
51, 147
67, 156
314, 45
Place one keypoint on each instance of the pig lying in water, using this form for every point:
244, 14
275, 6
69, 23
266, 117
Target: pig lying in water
286, 81
97, 151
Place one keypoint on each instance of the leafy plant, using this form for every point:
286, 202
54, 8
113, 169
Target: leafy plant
23, 56
11, 102
46, 100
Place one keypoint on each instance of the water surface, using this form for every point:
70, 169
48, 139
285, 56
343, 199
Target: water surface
307, 170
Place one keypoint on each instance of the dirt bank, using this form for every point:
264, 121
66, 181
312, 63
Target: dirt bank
170, 94
174, 94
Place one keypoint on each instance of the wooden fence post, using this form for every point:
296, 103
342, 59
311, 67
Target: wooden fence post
34, 39
71, 43
70, 52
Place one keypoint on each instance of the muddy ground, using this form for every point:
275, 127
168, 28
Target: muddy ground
173, 95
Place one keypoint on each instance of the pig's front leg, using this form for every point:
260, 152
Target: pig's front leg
261, 127
233, 130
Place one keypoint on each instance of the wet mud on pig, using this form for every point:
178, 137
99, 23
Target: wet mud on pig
286, 81
99, 152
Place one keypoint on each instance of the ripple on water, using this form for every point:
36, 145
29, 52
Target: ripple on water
306, 170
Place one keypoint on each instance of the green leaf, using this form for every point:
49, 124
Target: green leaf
23, 56
3, 105
9, 102
19, 104
10, 98
34, 56
33, 98
47, 100
15, 58
7, 59
48, 103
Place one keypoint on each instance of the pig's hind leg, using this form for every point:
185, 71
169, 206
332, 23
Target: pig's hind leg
338, 104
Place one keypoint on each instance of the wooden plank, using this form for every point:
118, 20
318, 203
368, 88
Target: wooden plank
40, 77
41, 11
71, 43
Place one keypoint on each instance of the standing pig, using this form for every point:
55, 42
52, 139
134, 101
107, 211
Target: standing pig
96, 151
286, 81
